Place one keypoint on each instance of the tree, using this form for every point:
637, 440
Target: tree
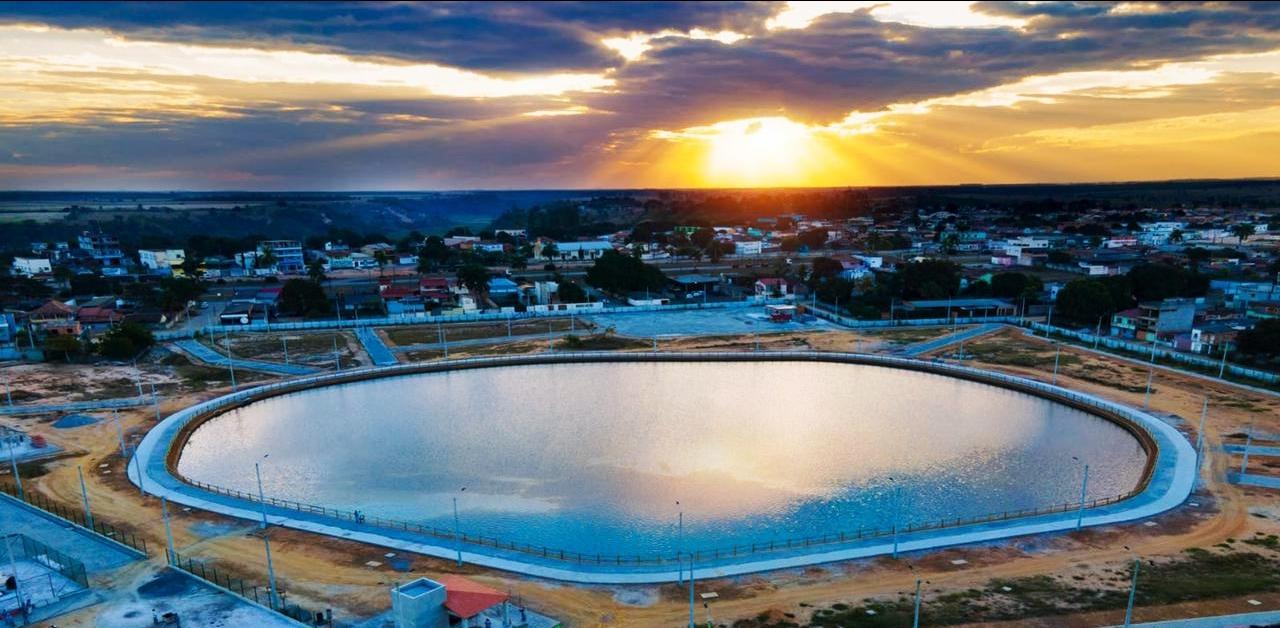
813, 238
620, 274
1175, 236
824, 267
382, 258
1243, 230
474, 277
1016, 286
114, 347
303, 297
702, 237
550, 250
65, 344
1155, 282
929, 279
1084, 301
569, 291
266, 258
315, 271
1263, 341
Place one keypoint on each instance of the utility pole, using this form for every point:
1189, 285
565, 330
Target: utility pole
13, 461
271, 572
1133, 591
691, 621
1057, 357
1084, 492
17, 589
1222, 369
285, 341
1204, 413
226, 336
84, 496
168, 531
119, 431
915, 619
1248, 442
155, 401
457, 535
262, 498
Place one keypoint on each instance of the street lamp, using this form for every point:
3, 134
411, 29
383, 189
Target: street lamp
1057, 358
1084, 490
1133, 590
915, 614
262, 498
457, 536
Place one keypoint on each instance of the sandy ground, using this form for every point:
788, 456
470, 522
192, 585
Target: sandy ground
323, 571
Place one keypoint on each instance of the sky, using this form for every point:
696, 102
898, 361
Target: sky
459, 95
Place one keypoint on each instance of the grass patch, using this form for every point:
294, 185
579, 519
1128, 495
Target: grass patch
599, 342
429, 334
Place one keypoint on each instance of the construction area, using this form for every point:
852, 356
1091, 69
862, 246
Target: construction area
1216, 554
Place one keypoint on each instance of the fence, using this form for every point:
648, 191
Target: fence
714, 553
424, 319
1147, 349
30, 549
248, 591
559, 554
97, 526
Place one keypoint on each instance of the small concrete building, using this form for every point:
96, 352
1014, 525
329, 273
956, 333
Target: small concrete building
419, 604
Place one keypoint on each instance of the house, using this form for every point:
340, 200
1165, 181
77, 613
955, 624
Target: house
579, 250
959, 307
99, 318
55, 318
772, 287
452, 600
162, 261
32, 266
1155, 320
288, 253
1214, 337
239, 313
1263, 309
102, 248
399, 300
694, 285
502, 287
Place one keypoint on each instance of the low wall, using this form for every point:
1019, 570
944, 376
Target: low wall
1168, 452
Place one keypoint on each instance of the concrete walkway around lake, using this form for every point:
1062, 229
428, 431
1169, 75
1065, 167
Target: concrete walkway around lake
204, 353
373, 345
1262, 618
921, 348
1173, 478
75, 406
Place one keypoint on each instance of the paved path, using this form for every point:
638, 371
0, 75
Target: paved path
474, 342
1254, 450
1254, 479
373, 345
1264, 618
921, 348
203, 353
76, 406
96, 553
1172, 480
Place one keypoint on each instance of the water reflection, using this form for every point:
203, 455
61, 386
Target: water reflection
592, 457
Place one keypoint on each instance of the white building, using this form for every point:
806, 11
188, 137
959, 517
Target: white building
32, 266
162, 261
748, 247
874, 262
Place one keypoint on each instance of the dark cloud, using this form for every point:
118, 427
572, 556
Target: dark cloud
843, 62
499, 36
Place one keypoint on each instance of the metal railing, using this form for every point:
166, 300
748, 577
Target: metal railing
97, 526
1086, 401
249, 591
28, 548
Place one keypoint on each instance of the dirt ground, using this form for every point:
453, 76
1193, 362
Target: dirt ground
322, 571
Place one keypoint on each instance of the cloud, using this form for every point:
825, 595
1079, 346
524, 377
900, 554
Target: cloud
499, 36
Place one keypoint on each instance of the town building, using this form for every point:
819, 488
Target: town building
32, 266
162, 261
102, 248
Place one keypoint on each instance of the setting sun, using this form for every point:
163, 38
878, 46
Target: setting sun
771, 151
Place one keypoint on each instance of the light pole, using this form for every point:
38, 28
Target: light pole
84, 496
915, 615
262, 498
1057, 357
691, 620
226, 337
1222, 369
1097, 334
285, 340
168, 531
1146, 399
457, 536
271, 572
17, 582
155, 401
337, 360
1133, 591
119, 431
8, 392
1204, 413
897, 510
1084, 491
13, 461
679, 546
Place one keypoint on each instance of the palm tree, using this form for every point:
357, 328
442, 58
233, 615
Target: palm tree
380, 256
1176, 236
266, 258
1242, 231
315, 270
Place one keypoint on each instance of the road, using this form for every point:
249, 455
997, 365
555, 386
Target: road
373, 345
204, 354
76, 406
921, 348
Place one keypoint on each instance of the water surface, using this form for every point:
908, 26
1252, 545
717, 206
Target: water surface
593, 457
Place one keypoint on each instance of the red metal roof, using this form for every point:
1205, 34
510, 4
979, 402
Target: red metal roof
468, 598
